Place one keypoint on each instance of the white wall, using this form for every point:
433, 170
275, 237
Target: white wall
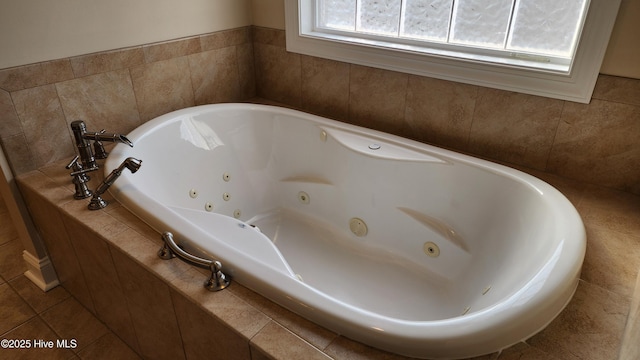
39, 30
623, 53
268, 13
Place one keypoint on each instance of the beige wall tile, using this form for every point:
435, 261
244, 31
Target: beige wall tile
43, 123
205, 337
523, 351
42, 187
247, 71
158, 333
140, 286
29, 76
22, 77
102, 101
611, 210
278, 74
151, 307
108, 346
214, 75
102, 280
617, 89
307, 330
57, 70
597, 143
268, 36
226, 38
513, 127
9, 122
590, 328
440, 112
346, 349
224, 305
377, 99
92, 64
162, 87
144, 251
612, 260
19, 155
276, 342
171, 49
139, 229
325, 87
630, 349
95, 222
49, 224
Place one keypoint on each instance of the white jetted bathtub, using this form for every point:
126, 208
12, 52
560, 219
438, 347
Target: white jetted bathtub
400, 245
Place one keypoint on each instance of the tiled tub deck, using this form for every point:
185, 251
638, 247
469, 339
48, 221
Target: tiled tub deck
107, 260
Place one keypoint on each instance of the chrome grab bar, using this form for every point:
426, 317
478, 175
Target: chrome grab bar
217, 281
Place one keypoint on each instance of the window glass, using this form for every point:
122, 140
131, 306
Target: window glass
541, 27
337, 14
426, 20
543, 47
481, 23
546, 26
378, 16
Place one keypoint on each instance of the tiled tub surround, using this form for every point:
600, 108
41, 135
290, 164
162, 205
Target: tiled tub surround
117, 90
596, 143
107, 260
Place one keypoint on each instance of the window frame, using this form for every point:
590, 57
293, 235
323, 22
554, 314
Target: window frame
575, 85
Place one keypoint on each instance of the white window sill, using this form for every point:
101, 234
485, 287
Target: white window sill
574, 84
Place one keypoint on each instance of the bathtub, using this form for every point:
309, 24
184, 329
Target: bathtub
400, 245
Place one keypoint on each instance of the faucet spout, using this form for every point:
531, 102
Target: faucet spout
101, 136
82, 138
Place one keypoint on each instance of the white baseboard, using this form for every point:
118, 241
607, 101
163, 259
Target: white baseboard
40, 271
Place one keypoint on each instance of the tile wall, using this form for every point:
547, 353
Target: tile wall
117, 90
596, 143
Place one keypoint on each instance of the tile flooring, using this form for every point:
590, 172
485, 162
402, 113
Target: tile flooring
30, 315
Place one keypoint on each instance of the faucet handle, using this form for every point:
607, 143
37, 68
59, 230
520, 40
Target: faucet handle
98, 148
80, 179
78, 170
74, 164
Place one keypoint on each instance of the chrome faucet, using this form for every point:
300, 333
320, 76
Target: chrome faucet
82, 137
80, 179
97, 202
85, 161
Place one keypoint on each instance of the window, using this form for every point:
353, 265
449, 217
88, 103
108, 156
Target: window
543, 47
